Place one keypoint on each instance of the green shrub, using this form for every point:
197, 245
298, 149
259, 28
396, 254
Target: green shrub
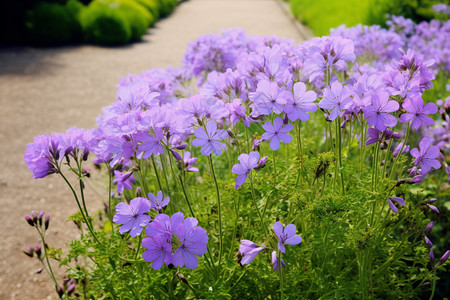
152, 6
166, 7
104, 23
137, 16
53, 23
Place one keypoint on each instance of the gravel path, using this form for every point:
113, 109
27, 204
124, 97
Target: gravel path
52, 89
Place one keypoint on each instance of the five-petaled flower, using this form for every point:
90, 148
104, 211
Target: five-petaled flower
286, 236
132, 217
276, 133
249, 251
248, 163
378, 113
427, 156
417, 112
209, 139
158, 202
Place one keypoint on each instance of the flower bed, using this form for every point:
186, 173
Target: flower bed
263, 169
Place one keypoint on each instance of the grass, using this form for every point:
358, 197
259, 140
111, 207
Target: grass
321, 15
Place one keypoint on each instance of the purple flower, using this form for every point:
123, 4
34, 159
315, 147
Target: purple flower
416, 112
42, 156
249, 251
151, 144
301, 104
375, 135
159, 251
428, 242
377, 113
275, 261
189, 161
123, 181
429, 228
164, 225
237, 112
336, 98
276, 133
132, 217
248, 162
157, 202
286, 236
397, 149
193, 242
444, 257
209, 139
268, 98
396, 199
433, 208
427, 156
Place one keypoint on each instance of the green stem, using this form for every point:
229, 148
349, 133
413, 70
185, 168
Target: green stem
180, 179
220, 209
341, 168
280, 268
400, 153
236, 219
79, 207
156, 173
433, 289
256, 206
50, 270
109, 197
274, 167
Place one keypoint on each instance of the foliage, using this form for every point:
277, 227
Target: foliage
54, 24
329, 200
322, 15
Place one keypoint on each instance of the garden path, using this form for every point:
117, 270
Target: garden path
52, 89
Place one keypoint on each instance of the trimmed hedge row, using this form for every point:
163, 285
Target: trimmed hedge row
103, 22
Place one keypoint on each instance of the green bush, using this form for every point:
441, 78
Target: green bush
137, 16
152, 6
166, 7
53, 23
115, 21
103, 23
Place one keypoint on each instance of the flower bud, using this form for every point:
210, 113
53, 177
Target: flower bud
47, 221
181, 147
30, 251
60, 291
82, 184
34, 216
86, 172
85, 154
256, 144
426, 283
432, 257
176, 155
383, 145
182, 278
428, 242
444, 257
429, 228
41, 213
432, 200
29, 219
262, 163
39, 271
138, 192
285, 119
38, 251
396, 136
433, 208
230, 133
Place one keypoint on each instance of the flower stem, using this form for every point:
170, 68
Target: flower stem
274, 167
280, 269
256, 206
341, 168
433, 289
50, 270
180, 179
156, 172
79, 207
220, 209
400, 153
109, 196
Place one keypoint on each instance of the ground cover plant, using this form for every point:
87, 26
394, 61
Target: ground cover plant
264, 169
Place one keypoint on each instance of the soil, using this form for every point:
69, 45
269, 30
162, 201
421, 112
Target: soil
45, 90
